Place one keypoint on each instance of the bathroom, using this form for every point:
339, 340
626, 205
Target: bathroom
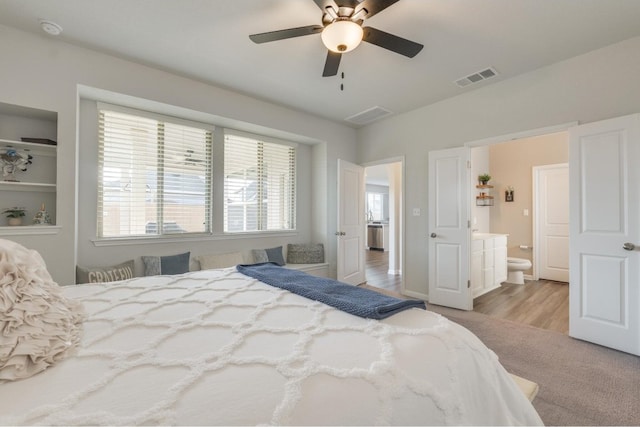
523, 207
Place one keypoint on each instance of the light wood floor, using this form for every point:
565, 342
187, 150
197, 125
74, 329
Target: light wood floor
540, 303
543, 304
377, 266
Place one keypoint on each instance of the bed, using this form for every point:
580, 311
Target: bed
216, 347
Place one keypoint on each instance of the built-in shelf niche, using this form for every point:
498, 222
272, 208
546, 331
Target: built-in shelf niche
36, 185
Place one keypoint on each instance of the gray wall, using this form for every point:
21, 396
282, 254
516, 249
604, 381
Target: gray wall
48, 74
591, 87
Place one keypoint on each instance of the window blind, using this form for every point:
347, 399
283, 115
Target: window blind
154, 176
259, 184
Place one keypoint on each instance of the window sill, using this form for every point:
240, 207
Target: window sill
150, 240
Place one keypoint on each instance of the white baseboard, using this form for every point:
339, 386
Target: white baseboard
528, 277
395, 272
414, 294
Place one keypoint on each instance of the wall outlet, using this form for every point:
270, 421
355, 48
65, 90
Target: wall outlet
525, 212
416, 211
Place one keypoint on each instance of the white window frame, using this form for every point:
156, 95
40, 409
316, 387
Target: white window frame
262, 226
215, 201
160, 220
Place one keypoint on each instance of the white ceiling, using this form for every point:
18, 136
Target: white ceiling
377, 175
208, 40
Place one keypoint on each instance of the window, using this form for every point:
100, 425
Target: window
152, 170
375, 207
259, 184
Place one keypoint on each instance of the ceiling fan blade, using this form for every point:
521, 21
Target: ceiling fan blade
393, 43
374, 6
286, 34
331, 64
323, 4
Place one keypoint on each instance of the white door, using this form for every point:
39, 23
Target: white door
351, 225
449, 184
552, 221
604, 159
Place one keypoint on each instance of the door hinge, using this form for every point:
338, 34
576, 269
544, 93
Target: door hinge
468, 283
468, 164
468, 223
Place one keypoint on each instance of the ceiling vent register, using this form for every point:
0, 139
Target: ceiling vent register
477, 77
368, 116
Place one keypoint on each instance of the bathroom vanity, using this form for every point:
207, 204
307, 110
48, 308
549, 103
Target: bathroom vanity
488, 262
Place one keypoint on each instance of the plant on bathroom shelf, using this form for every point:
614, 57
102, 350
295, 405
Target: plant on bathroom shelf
484, 178
15, 215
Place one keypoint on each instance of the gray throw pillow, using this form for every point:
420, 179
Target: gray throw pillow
105, 274
170, 264
275, 255
259, 256
305, 253
268, 255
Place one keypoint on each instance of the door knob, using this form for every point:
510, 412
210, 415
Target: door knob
628, 246
434, 235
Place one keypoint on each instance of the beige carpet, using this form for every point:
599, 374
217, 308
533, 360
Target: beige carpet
580, 383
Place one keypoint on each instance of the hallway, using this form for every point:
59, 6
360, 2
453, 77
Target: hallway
377, 266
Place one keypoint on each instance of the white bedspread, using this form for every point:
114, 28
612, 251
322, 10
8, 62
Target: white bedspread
216, 347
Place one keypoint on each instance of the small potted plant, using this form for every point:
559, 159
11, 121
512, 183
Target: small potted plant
15, 215
484, 178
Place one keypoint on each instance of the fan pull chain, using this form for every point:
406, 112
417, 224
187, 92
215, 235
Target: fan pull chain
342, 84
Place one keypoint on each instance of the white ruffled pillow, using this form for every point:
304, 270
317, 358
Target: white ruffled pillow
38, 325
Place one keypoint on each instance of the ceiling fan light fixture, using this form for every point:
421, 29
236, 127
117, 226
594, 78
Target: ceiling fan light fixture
342, 36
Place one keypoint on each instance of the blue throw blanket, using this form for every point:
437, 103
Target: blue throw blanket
351, 299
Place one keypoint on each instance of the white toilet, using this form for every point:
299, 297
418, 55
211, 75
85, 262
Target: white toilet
515, 270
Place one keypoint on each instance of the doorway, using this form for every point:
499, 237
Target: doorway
603, 225
383, 210
535, 227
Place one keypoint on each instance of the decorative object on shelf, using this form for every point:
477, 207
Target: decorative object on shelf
42, 216
45, 141
15, 215
484, 178
13, 161
484, 200
508, 194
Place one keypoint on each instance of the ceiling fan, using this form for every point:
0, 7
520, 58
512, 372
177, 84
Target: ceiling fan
342, 31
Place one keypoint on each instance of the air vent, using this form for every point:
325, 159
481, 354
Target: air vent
368, 116
477, 77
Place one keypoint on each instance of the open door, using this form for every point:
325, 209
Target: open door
350, 230
604, 260
449, 228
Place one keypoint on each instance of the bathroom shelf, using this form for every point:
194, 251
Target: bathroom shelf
484, 201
